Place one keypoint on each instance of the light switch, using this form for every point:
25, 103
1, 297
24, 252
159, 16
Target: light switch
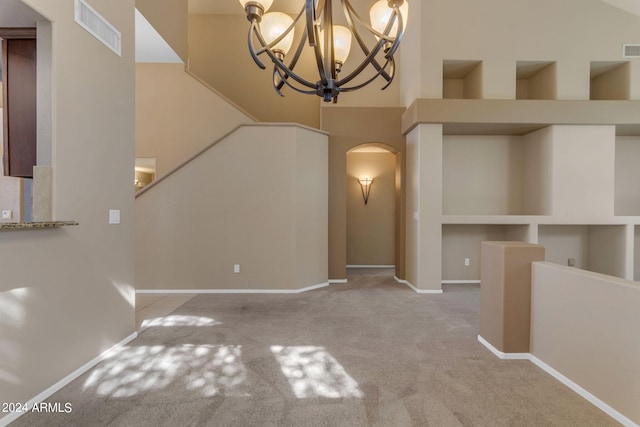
114, 216
7, 214
467, 262
236, 268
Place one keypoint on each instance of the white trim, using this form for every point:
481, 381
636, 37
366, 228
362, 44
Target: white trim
370, 266
502, 355
584, 393
230, 291
459, 282
564, 380
332, 281
420, 291
66, 380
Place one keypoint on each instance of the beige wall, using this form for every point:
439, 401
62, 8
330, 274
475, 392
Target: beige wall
258, 198
72, 288
177, 116
575, 331
348, 128
170, 19
627, 175
370, 227
218, 54
503, 32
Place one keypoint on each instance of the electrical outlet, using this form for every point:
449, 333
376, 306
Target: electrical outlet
236, 268
7, 214
467, 262
114, 216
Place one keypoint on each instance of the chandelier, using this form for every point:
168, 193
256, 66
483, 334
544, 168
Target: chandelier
274, 33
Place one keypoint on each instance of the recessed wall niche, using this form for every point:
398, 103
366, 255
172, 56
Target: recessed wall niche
536, 80
609, 80
597, 248
461, 79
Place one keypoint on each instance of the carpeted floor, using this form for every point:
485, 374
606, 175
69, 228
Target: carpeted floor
370, 352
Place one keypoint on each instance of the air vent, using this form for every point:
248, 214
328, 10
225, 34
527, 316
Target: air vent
631, 51
99, 27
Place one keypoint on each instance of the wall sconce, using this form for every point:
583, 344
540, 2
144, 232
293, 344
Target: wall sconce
365, 186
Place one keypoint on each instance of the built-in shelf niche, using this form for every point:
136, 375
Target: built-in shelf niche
536, 80
462, 241
597, 248
627, 176
461, 79
610, 80
495, 175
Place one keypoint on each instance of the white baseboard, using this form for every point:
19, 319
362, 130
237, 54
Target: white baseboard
370, 266
332, 281
231, 291
459, 282
66, 380
500, 354
420, 291
564, 380
584, 393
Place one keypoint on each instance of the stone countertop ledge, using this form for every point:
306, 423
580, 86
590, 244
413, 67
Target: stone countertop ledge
10, 226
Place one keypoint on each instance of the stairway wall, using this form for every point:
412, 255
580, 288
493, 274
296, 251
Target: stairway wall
258, 198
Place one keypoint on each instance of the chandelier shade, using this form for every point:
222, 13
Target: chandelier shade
273, 34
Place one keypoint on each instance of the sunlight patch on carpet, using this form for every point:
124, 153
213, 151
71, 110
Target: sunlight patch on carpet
180, 320
207, 369
314, 372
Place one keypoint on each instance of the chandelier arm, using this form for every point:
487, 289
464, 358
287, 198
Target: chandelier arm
252, 50
285, 81
375, 76
278, 63
398, 39
296, 56
311, 20
363, 46
368, 60
329, 57
312, 29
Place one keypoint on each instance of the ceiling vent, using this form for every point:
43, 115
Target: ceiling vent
99, 27
631, 50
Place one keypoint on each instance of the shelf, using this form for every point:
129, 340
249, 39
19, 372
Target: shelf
15, 226
536, 219
521, 116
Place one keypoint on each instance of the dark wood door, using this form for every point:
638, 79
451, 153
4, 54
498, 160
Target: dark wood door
19, 100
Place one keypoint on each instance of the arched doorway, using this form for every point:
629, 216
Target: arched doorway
372, 239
